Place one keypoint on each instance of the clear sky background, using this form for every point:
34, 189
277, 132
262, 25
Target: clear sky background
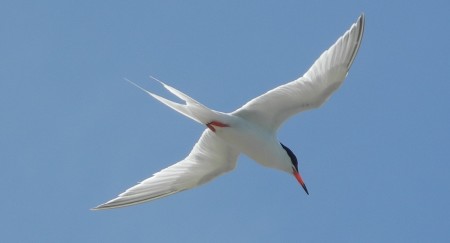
74, 134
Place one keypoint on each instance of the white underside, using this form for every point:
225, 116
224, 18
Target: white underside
257, 143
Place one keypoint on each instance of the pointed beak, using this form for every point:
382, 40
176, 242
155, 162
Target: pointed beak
300, 180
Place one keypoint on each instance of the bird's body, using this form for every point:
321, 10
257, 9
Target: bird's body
254, 141
250, 130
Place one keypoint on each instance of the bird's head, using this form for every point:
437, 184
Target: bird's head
294, 167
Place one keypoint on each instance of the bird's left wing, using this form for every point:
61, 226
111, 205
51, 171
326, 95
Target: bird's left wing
271, 109
210, 157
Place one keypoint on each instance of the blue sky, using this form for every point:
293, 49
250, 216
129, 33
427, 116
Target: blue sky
74, 134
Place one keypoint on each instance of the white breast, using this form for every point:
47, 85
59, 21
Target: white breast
256, 142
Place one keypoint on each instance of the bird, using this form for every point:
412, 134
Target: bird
251, 129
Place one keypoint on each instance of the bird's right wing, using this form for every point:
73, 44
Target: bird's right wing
210, 157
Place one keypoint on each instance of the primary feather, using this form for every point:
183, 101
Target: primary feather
210, 157
311, 90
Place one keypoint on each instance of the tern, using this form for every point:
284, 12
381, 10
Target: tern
250, 130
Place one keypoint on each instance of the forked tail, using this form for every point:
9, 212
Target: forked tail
192, 108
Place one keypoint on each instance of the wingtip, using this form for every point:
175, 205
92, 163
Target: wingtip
104, 206
361, 21
98, 208
360, 26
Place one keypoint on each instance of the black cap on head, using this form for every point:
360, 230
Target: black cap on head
295, 164
292, 156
